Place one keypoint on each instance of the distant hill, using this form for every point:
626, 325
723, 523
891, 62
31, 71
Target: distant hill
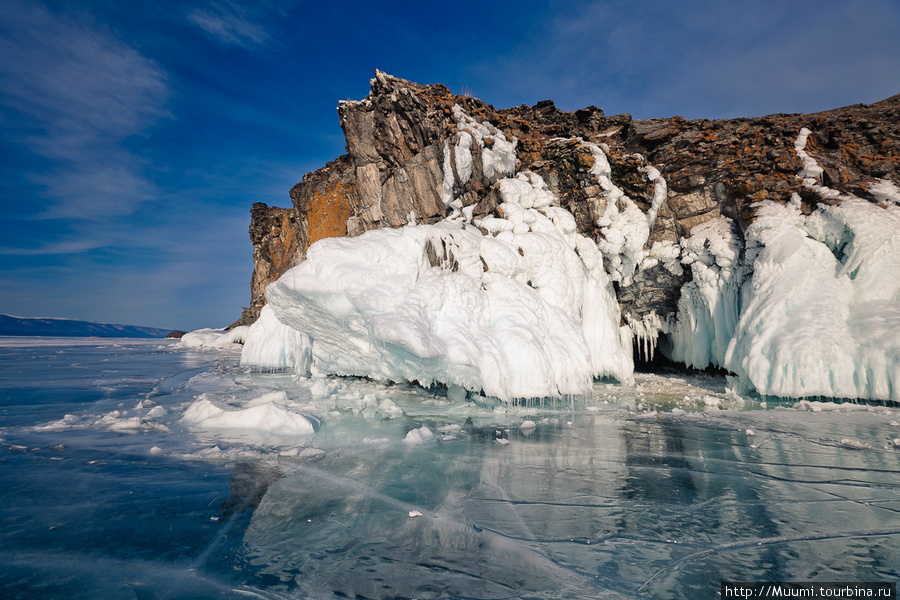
10, 325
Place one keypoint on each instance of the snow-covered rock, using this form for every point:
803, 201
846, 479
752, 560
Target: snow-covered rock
519, 306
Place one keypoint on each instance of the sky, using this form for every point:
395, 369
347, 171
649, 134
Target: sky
134, 136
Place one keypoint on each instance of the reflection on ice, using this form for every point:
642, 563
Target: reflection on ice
344, 528
655, 507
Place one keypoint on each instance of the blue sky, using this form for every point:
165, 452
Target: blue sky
134, 136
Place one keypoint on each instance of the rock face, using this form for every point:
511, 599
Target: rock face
280, 237
417, 153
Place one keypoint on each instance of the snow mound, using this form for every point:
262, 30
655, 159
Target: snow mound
263, 414
215, 338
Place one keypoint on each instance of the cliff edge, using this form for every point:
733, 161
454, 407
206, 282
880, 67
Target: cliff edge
639, 189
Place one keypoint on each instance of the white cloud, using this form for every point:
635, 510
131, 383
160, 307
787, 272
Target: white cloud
69, 247
230, 23
72, 92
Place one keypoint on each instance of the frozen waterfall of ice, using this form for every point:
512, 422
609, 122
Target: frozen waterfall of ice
709, 306
813, 306
821, 313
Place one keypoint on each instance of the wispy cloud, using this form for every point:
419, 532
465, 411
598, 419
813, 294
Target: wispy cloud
72, 93
70, 247
232, 23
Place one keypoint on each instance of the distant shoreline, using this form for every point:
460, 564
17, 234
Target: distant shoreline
56, 327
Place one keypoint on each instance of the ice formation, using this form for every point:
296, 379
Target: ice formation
520, 305
497, 155
624, 225
811, 307
709, 307
517, 306
522, 311
215, 338
821, 313
497, 158
660, 192
275, 345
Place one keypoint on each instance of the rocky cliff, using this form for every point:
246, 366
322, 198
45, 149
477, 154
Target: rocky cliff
418, 153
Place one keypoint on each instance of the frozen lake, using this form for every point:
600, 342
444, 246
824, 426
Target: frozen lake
124, 475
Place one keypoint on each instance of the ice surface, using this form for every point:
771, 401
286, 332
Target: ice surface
647, 490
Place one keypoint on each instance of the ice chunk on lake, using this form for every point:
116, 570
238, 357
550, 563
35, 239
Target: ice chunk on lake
263, 415
421, 435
